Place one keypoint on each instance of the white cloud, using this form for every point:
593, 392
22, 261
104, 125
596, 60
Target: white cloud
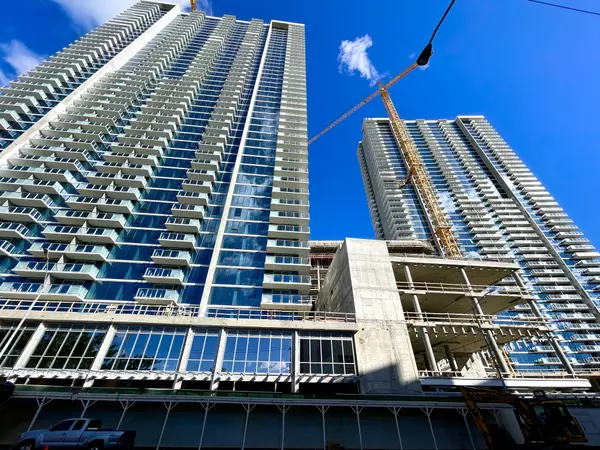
353, 57
19, 57
4, 80
88, 14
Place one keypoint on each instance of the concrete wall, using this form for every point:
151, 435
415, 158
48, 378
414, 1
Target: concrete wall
361, 280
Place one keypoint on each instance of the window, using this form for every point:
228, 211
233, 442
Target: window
62, 426
203, 352
258, 352
327, 353
143, 348
78, 425
65, 347
18, 343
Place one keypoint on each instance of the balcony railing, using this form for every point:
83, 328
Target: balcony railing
452, 288
474, 320
135, 309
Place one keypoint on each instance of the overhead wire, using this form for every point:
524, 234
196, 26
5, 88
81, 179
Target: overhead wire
555, 5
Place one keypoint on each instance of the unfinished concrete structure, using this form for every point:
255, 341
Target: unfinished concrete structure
426, 322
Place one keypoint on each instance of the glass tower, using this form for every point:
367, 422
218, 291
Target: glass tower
498, 210
157, 167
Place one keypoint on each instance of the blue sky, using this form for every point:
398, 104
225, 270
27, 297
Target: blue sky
532, 70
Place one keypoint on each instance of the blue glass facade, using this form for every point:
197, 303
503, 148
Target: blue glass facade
498, 210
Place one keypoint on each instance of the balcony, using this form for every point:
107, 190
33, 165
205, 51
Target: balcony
151, 296
110, 205
41, 186
202, 175
76, 252
289, 204
116, 192
286, 302
205, 164
183, 225
108, 178
286, 247
8, 249
192, 198
28, 199
288, 263
52, 292
171, 257
177, 240
188, 211
91, 235
164, 276
289, 231
75, 271
108, 220
131, 158
20, 214
279, 281
13, 230
197, 186
213, 152
289, 218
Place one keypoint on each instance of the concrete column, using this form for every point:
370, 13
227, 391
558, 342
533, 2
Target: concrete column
488, 335
296, 362
465, 278
34, 340
104, 348
408, 277
183, 360
426, 341
451, 359
214, 383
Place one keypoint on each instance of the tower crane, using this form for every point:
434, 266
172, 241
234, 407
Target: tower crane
416, 172
193, 5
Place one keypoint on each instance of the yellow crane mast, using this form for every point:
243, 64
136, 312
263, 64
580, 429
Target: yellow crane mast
193, 5
416, 172
420, 180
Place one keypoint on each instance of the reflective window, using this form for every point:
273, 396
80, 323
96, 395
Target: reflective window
203, 352
327, 353
19, 341
65, 347
258, 352
143, 348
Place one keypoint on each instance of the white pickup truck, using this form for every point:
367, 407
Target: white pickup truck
76, 434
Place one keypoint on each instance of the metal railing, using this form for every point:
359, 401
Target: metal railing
460, 319
452, 288
519, 373
174, 310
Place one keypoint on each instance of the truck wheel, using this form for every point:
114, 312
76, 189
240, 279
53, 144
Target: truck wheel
95, 446
25, 445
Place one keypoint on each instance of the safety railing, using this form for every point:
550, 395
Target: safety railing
174, 310
494, 374
473, 320
453, 288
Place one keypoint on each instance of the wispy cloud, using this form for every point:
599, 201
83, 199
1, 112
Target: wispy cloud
353, 58
19, 58
87, 14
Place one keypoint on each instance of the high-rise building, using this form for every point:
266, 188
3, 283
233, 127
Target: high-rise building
156, 271
498, 210
156, 166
